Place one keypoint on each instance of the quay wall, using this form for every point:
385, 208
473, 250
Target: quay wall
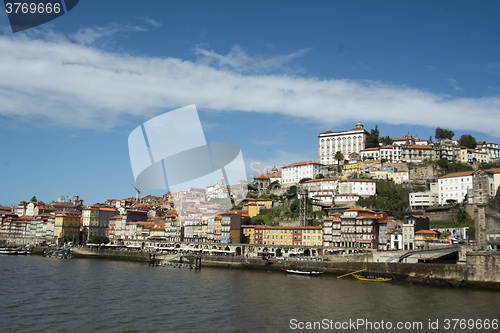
139, 256
482, 269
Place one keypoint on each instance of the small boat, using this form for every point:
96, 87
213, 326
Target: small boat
8, 250
371, 278
294, 271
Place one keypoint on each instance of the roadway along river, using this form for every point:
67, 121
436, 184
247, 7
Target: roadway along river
82, 295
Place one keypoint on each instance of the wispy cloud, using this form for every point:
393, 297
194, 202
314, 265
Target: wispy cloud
88, 36
238, 60
454, 84
71, 82
150, 21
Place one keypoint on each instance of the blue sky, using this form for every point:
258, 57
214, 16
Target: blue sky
267, 75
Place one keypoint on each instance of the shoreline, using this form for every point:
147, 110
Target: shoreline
481, 271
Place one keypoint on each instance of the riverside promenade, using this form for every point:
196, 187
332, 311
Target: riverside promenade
480, 269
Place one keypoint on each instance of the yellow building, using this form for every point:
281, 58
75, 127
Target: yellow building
277, 235
426, 235
312, 236
248, 232
217, 229
67, 227
253, 206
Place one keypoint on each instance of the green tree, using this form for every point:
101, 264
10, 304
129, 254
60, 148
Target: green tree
320, 176
275, 184
303, 180
442, 134
468, 141
339, 157
295, 206
387, 141
462, 218
101, 239
372, 139
257, 220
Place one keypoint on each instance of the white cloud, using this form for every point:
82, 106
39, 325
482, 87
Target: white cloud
239, 61
59, 82
151, 22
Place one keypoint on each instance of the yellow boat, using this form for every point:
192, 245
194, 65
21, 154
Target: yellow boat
371, 278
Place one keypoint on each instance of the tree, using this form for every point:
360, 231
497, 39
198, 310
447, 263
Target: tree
275, 184
320, 176
461, 218
372, 139
303, 180
468, 141
442, 134
101, 239
339, 157
387, 141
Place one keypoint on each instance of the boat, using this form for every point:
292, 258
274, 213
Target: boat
63, 254
371, 278
8, 250
295, 271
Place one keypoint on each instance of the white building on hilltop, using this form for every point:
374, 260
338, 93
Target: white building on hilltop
346, 142
293, 173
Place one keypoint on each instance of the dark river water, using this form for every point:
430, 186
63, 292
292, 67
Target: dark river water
80, 295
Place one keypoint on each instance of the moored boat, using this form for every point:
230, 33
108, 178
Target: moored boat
295, 271
371, 278
8, 250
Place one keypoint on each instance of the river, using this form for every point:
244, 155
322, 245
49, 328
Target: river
40, 294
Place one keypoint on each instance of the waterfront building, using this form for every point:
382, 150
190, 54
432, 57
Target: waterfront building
90, 222
312, 236
454, 186
395, 240
294, 172
67, 227
157, 232
336, 229
217, 229
424, 237
408, 236
419, 222
346, 142
383, 243
283, 235
359, 228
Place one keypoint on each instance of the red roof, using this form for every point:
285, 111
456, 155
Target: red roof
269, 175
426, 232
494, 170
302, 163
458, 174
